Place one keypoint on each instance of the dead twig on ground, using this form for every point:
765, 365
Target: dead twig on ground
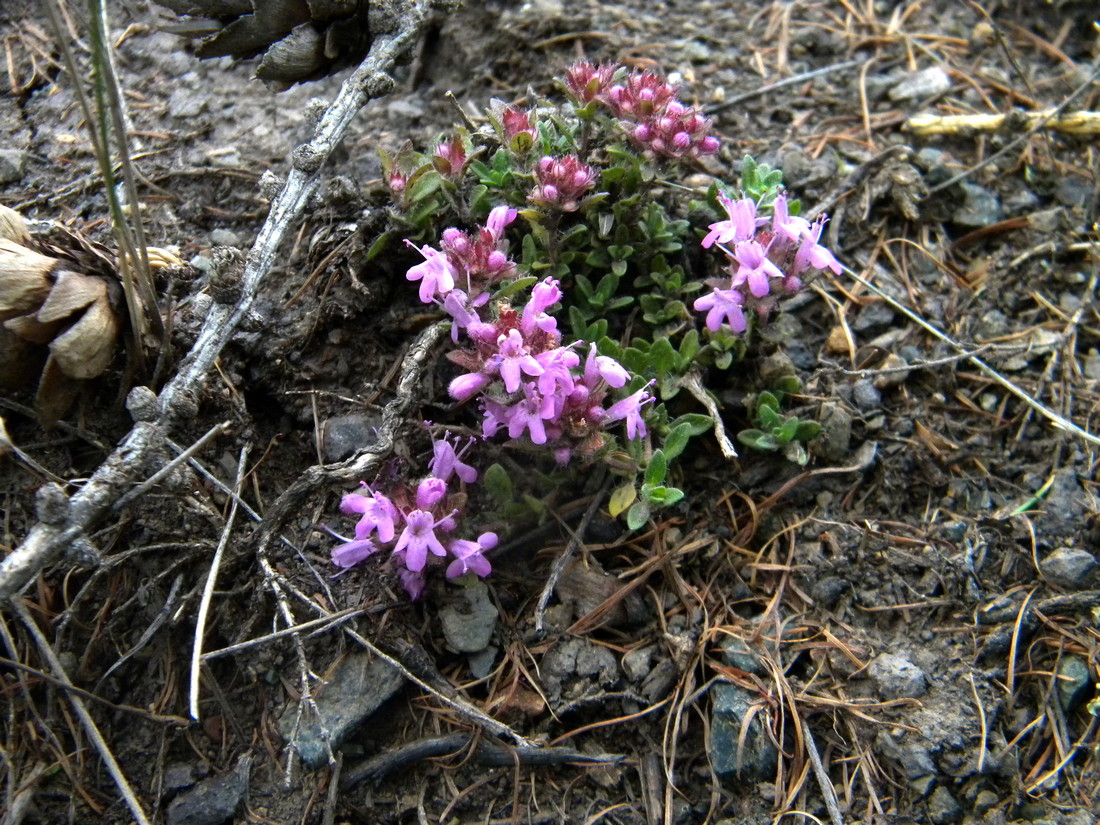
46, 542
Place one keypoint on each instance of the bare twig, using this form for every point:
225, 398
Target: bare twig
46, 542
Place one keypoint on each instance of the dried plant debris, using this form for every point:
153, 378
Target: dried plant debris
61, 313
298, 40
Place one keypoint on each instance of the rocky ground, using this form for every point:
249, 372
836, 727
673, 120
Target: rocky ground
905, 630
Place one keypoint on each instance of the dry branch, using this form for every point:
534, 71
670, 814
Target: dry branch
47, 541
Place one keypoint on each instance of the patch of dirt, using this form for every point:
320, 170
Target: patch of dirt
908, 623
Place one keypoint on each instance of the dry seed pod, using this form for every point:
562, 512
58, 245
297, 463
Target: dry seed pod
60, 314
298, 40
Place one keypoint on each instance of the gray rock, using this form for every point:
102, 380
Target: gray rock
922, 84
224, 237
873, 316
13, 165
865, 395
1021, 203
897, 678
212, 801
980, 207
344, 435
481, 663
728, 713
943, 808
660, 681
828, 590
740, 655
469, 617
934, 163
184, 101
1074, 191
835, 443
403, 107
637, 663
1074, 682
357, 689
1063, 510
1092, 365
1069, 567
575, 667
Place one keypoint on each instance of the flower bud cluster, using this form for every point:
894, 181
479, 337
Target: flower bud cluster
450, 158
767, 258
562, 182
477, 260
417, 526
647, 108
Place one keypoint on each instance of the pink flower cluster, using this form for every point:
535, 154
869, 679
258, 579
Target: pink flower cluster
647, 108
528, 382
481, 258
762, 253
531, 385
562, 182
416, 525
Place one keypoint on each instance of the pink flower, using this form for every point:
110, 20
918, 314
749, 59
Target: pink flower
754, 267
436, 274
378, 514
447, 461
811, 253
588, 82
351, 553
469, 556
630, 410
450, 158
563, 182
722, 304
467, 386
785, 225
514, 358
499, 219
602, 366
741, 225
417, 539
412, 582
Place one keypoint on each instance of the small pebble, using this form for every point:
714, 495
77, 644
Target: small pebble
922, 84
1070, 568
865, 395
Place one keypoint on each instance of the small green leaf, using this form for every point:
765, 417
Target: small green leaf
622, 498
518, 285
807, 431
788, 384
656, 469
497, 484
676, 440
664, 496
768, 418
638, 515
787, 430
767, 399
796, 453
662, 356
379, 245
758, 440
697, 423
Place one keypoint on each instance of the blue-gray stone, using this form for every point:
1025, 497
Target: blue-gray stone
356, 689
729, 710
980, 207
1074, 682
468, 618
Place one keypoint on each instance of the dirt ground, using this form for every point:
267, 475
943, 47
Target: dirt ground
905, 630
